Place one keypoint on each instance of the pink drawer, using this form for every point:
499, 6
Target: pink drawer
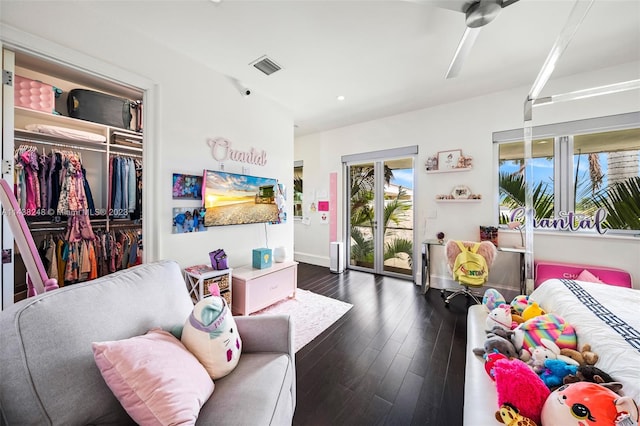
264, 291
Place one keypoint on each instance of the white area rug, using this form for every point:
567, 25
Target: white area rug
311, 312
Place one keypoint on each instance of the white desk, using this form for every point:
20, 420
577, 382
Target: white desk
426, 263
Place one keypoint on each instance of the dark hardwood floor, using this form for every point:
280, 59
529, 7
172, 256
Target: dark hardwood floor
396, 358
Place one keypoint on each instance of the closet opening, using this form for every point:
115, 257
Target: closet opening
77, 174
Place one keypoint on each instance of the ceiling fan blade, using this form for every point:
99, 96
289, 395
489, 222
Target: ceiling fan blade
464, 47
455, 5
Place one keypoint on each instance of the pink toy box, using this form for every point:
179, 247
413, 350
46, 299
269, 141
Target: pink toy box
34, 94
545, 270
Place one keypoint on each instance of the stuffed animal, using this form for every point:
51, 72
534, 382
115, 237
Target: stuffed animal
555, 371
548, 326
492, 298
496, 343
211, 334
589, 373
490, 360
532, 311
517, 385
583, 357
520, 303
547, 350
510, 416
500, 317
499, 331
587, 404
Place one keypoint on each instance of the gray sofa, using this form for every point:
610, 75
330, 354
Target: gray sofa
48, 374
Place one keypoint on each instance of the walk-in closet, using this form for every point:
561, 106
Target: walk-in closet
78, 182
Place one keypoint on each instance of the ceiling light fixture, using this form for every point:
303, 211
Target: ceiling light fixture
340, 98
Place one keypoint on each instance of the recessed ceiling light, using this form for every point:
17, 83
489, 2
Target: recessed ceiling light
340, 98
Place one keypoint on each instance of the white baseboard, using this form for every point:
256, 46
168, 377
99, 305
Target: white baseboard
311, 259
446, 282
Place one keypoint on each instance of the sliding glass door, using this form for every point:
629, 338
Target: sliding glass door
380, 216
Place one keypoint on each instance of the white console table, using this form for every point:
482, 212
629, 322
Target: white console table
255, 289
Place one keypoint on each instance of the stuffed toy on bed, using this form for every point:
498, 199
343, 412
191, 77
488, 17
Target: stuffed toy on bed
211, 334
588, 404
500, 316
492, 298
548, 326
519, 386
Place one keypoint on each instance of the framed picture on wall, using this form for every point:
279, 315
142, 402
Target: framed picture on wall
448, 160
187, 187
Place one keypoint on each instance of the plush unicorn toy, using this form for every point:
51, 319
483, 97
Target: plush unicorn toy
211, 334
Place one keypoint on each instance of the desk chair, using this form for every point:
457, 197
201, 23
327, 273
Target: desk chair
486, 249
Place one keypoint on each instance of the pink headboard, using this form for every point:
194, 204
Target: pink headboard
545, 270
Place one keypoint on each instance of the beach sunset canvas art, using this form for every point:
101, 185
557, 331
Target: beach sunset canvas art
231, 199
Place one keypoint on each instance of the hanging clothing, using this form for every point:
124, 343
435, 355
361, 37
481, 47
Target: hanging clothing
131, 189
87, 192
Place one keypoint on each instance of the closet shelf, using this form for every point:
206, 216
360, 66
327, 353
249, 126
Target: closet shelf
21, 135
27, 116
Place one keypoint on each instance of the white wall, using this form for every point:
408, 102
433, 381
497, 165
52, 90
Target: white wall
467, 125
191, 103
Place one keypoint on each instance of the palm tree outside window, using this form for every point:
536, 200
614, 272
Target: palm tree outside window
601, 170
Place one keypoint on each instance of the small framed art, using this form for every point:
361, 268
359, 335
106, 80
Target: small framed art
448, 160
187, 187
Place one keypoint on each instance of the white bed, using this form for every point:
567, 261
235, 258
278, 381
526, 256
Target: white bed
617, 356
607, 318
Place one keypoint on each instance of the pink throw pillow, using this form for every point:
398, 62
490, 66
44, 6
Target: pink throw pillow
588, 277
155, 378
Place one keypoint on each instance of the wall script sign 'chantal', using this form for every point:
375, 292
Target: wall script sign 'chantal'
221, 151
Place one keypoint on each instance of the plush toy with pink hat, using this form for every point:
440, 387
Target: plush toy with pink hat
211, 334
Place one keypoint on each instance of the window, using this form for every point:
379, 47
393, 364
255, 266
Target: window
578, 171
297, 189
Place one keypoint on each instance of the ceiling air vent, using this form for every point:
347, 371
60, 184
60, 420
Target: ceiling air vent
266, 65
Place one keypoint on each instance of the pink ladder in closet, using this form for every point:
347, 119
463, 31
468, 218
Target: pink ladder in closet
37, 279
